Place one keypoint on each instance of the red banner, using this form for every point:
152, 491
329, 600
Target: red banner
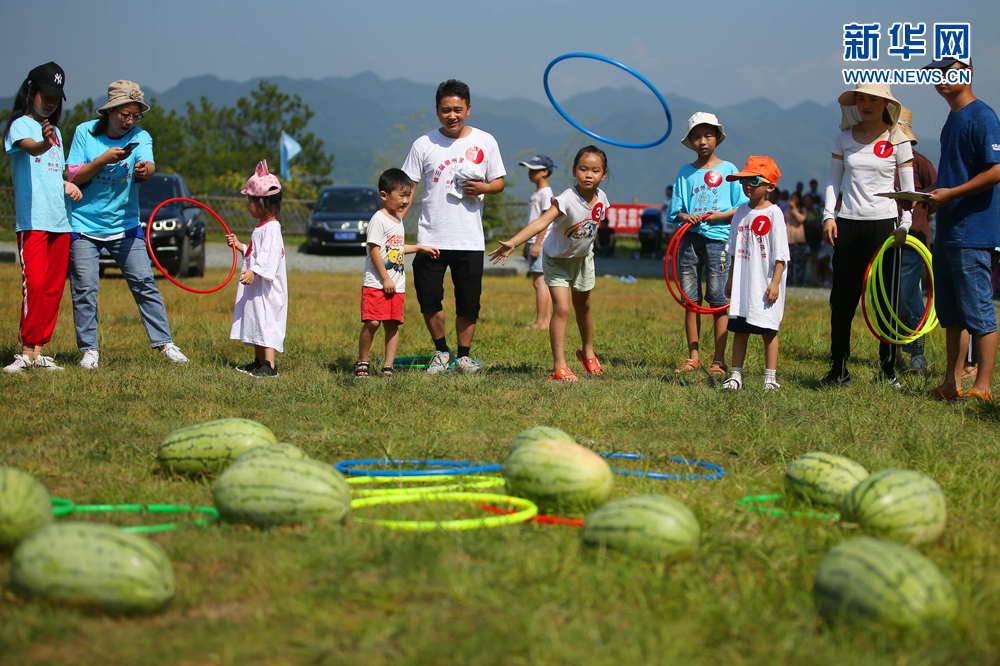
627, 218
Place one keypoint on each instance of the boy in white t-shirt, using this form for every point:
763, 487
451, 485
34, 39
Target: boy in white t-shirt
758, 243
539, 169
459, 165
384, 285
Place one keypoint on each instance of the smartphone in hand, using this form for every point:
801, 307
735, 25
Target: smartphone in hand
130, 147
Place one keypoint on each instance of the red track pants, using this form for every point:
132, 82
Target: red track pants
44, 257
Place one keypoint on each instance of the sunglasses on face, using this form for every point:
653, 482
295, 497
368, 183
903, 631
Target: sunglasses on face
754, 181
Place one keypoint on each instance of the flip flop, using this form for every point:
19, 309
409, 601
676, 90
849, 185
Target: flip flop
973, 395
718, 368
564, 375
688, 366
938, 393
591, 365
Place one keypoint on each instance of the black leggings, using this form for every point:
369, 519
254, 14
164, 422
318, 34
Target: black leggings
856, 243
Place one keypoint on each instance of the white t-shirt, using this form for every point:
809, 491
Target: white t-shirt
387, 233
446, 222
868, 170
757, 239
538, 204
572, 233
262, 306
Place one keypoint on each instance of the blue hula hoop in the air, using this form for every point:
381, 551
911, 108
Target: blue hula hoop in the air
441, 467
620, 144
717, 472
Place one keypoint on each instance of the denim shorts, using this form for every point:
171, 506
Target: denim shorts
535, 265
697, 253
963, 290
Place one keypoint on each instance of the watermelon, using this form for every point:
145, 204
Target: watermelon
210, 447
562, 478
267, 491
823, 478
899, 504
649, 526
866, 579
24, 506
93, 565
278, 450
538, 433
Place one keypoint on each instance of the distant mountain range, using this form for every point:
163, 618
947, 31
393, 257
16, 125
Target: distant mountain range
358, 117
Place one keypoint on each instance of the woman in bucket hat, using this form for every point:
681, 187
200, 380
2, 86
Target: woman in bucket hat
866, 155
110, 156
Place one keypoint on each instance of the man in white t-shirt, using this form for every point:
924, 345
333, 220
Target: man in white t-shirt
459, 166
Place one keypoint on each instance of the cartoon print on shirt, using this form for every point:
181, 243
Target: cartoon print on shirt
587, 228
394, 260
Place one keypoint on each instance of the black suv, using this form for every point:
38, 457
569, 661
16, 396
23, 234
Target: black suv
178, 235
340, 217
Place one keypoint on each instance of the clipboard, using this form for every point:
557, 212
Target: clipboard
916, 197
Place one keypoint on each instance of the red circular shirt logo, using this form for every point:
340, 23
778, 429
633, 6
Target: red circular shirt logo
761, 225
595, 215
474, 155
713, 179
883, 149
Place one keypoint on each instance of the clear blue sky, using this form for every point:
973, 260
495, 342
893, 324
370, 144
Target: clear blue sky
717, 52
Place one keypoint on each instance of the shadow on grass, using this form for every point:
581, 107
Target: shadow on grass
511, 369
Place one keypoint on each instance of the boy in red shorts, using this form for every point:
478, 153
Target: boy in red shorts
385, 281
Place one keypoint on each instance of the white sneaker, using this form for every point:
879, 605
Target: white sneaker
90, 359
771, 386
732, 384
439, 363
46, 362
171, 351
467, 365
20, 364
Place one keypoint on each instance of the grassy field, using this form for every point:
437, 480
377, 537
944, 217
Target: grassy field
525, 594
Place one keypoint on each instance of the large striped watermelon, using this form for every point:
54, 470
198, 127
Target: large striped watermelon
562, 478
866, 578
281, 491
650, 526
93, 565
900, 504
24, 506
279, 450
210, 447
537, 434
823, 478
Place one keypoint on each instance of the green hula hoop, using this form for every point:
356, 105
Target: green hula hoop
750, 504
874, 285
62, 507
213, 515
528, 510
471, 484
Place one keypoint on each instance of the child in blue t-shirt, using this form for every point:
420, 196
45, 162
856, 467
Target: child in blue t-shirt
34, 144
968, 228
702, 197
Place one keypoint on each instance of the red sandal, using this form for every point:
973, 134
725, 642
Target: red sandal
564, 375
591, 365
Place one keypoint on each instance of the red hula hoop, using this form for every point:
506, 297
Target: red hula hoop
149, 245
864, 300
671, 260
539, 518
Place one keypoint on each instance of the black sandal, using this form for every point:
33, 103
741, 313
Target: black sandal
387, 372
361, 369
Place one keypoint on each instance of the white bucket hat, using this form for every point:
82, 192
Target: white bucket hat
703, 118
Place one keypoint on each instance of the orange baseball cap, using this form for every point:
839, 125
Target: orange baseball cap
758, 166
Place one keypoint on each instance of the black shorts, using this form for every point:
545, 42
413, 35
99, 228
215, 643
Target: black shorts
741, 325
466, 274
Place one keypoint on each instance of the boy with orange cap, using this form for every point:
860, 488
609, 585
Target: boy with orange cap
758, 243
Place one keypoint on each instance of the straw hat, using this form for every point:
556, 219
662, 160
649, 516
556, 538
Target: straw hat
906, 124
124, 92
850, 115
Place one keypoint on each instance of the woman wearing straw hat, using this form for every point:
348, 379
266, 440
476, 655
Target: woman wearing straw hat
866, 154
108, 159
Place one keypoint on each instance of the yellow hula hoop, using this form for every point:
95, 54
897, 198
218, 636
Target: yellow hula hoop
882, 327
528, 510
463, 483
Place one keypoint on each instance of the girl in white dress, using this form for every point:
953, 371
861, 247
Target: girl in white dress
262, 295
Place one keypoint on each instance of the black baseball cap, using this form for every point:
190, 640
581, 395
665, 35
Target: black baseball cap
539, 162
49, 78
945, 63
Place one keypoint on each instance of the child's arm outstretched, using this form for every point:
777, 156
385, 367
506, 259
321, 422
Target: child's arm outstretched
423, 249
774, 288
536, 227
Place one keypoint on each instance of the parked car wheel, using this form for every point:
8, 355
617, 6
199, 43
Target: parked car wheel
184, 264
199, 269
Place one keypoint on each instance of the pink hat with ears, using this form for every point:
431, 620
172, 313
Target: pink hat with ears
262, 183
